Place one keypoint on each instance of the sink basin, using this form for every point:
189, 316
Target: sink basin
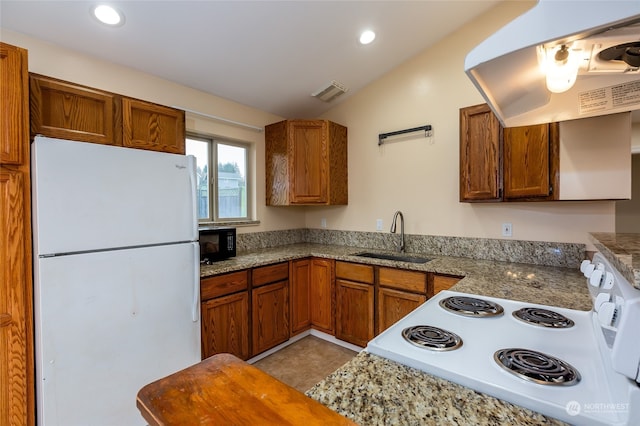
396, 257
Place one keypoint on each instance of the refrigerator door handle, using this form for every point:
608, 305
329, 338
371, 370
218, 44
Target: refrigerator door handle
193, 180
195, 308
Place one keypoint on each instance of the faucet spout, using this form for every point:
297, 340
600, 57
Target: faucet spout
393, 229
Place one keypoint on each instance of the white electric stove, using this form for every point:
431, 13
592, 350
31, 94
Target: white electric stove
577, 366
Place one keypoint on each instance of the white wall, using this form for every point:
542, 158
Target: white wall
53, 61
420, 176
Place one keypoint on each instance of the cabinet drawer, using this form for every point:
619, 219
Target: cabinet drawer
354, 272
270, 274
403, 280
223, 284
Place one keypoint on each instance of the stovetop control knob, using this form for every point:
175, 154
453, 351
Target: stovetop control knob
601, 299
588, 270
584, 264
607, 313
596, 278
609, 279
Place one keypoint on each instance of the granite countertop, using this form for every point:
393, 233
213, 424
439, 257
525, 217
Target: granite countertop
372, 390
547, 285
623, 251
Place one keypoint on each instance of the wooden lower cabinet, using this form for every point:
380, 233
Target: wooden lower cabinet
299, 297
321, 294
394, 305
225, 325
270, 316
399, 292
225, 314
354, 312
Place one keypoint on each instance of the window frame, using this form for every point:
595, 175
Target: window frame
213, 206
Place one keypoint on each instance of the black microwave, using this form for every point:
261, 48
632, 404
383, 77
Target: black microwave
217, 243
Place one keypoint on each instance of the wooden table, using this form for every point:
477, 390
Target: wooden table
224, 390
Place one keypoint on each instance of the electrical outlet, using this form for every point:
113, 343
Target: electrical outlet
507, 229
323, 223
378, 224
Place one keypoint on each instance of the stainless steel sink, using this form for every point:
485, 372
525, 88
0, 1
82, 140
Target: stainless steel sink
396, 257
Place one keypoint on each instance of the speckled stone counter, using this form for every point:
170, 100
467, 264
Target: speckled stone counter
546, 285
623, 251
371, 391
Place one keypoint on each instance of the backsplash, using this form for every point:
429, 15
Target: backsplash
534, 252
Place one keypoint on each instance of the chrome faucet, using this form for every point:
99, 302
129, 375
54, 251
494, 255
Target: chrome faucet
393, 229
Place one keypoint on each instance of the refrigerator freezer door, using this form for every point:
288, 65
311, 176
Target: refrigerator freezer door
108, 323
91, 197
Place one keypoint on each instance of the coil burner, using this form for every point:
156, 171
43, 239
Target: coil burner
433, 338
471, 306
543, 318
537, 367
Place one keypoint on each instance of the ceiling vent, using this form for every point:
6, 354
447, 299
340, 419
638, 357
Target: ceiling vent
330, 92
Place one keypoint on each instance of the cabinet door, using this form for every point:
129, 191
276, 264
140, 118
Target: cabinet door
354, 312
480, 154
225, 325
270, 316
16, 363
527, 161
14, 96
300, 298
321, 292
394, 305
70, 111
153, 127
308, 164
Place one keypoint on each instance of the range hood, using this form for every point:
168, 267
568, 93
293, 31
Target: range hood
602, 40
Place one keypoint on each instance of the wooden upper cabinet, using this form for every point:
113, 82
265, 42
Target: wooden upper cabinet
153, 127
14, 92
480, 154
65, 110
506, 164
306, 163
70, 111
530, 161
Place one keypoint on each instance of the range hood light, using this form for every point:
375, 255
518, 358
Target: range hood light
561, 69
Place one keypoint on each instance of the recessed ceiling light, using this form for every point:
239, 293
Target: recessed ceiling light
108, 15
367, 37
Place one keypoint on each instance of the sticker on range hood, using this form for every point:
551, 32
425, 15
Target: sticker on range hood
508, 67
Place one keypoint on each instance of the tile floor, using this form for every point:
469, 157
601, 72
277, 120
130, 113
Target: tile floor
305, 362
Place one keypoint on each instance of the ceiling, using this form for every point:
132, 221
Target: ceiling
270, 55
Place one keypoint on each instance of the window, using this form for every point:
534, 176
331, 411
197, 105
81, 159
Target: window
222, 178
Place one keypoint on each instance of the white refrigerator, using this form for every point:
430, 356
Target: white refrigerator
116, 277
